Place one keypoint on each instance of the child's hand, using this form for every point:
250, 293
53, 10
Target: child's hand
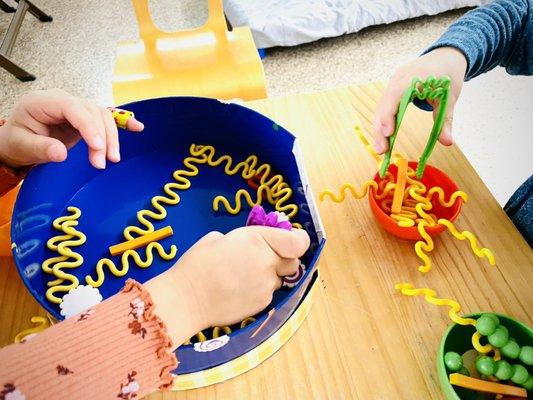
223, 279
45, 124
441, 61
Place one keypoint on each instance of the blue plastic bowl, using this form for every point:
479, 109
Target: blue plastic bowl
109, 201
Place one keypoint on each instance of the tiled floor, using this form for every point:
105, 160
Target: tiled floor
76, 52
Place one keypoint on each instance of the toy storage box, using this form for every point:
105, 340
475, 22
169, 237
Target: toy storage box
109, 200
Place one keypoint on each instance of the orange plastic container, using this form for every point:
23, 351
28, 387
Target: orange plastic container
7, 202
432, 177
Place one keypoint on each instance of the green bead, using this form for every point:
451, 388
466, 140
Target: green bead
504, 371
486, 325
493, 317
511, 349
520, 374
464, 371
499, 337
526, 355
453, 361
528, 385
485, 365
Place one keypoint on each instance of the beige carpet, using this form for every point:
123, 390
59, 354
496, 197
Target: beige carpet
76, 52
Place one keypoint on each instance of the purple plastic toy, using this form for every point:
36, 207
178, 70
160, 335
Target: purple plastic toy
258, 216
275, 219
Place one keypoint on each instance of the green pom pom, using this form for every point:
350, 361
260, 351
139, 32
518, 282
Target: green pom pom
485, 365
486, 325
499, 337
504, 371
528, 385
464, 371
453, 361
520, 375
526, 355
511, 349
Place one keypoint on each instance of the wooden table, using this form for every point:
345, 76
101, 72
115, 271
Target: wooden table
362, 339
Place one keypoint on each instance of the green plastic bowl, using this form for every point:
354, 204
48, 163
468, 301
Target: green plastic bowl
458, 338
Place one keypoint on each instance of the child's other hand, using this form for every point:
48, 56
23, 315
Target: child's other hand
441, 61
45, 124
223, 279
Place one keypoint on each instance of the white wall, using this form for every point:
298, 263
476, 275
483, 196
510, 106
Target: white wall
493, 125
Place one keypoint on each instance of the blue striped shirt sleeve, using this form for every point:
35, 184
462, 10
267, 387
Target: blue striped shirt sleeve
500, 33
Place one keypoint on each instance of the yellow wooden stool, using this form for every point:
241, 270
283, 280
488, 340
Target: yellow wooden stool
209, 61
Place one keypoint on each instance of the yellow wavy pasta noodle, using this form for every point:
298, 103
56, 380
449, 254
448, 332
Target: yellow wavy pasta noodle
466, 235
424, 246
483, 349
247, 321
440, 196
247, 166
454, 307
200, 337
416, 192
290, 209
387, 190
42, 324
205, 154
368, 147
58, 222
351, 188
274, 187
67, 258
242, 193
405, 221
125, 262
217, 329
431, 297
159, 212
181, 176
421, 211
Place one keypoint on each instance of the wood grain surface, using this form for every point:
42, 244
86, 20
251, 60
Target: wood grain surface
362, 339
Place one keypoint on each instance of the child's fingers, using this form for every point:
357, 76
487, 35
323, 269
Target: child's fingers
287, 267
33, 124
387, 108
111, 133
126, 120
97, 157
286, 244
39, 149
385, 117
133, 125
445, 137
381, 144
77, 114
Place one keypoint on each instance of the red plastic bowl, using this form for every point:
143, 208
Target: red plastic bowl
432, 177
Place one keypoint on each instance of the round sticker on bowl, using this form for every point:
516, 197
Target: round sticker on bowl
212, 344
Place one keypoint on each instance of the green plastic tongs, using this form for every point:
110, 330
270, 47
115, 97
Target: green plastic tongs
420, 91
